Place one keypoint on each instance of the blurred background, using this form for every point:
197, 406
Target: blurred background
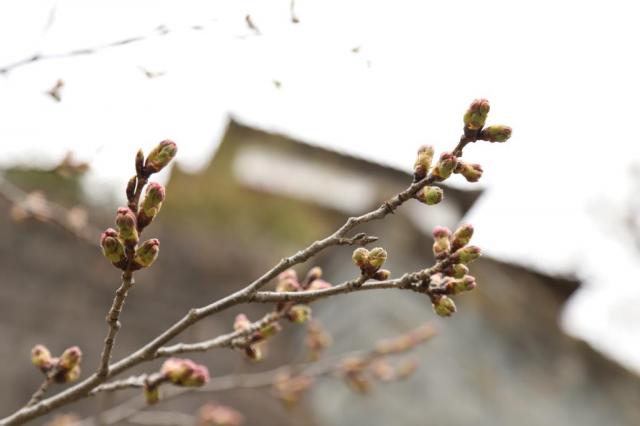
292, 115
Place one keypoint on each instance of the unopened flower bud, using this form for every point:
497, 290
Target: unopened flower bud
131, 188
313, 274
461, 236
127, 225
287, 285
70, 376
241, 323
466, 254
360, 257
299, 313
459, 270
441, 243
423, 162
496, 133
430, 195
147, 253
382, 275
472, 172
184, 372
70, 358
41, 357
377, 257
254, 353
154, 196
443, 305
112, 247
445, 166
476, 115
160, 156
319, 285
151, 394
269, 330
466, 283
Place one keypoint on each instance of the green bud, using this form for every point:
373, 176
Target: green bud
127, 225
430, 195
160, 156
147, 253
299, 313
154, 196
269, 330
466, 254
360, 257
184, 372
459, 270
151, 394
382, 275
445, 166
476, 115
443, 305
70, 358
462, 236
112, 247
496, 133
377, 257
466, 283
471, 172
41, 357
423, 162
70, 375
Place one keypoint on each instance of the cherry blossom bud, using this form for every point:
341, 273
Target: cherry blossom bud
458, 270
288, 281
41, 357
377, 257
131, 188
360, 257
423, 162
160, 156
496, 133
269, 330
382, 275
254, 353
476, 115
472, 172
69, 376
441, 243
151, 394
150, 206
466, 283
314, 273
147, 253
70, 358
461, 236
241, 323
430, 195
466, 254
184, 372
126, 221
139, 162
319, 285
112, 247
445, 166
299, 313
443, 305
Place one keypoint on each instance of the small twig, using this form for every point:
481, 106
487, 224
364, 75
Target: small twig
38, 394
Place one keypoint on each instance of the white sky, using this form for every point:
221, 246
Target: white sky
564, 75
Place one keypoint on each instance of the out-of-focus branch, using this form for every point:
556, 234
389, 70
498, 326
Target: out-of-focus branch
36, 205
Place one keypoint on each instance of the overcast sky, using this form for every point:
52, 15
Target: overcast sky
374, 79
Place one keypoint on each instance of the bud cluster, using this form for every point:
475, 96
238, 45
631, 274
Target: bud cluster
121, 247
63, 369
255, 339
454, 279
184, 372
370, 261
474, 124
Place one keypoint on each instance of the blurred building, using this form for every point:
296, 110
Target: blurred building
502, 359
